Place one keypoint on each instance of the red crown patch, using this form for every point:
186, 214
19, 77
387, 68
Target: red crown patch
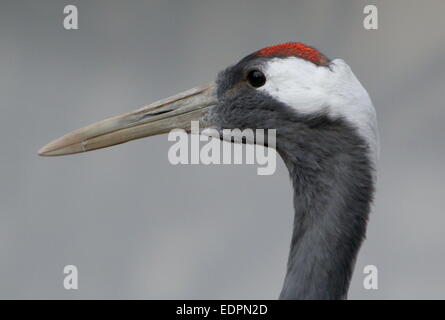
296, 49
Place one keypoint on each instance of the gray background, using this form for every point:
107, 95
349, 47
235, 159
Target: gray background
138, 227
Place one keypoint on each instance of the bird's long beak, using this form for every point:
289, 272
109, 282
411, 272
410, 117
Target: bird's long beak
157, 118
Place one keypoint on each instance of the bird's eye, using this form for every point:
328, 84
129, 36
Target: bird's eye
256, 78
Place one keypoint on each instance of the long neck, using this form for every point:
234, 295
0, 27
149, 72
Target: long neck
332, 179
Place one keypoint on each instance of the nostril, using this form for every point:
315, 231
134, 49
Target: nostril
154, 113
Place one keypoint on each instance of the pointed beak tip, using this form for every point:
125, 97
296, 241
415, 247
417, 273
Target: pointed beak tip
45, 151
56, 148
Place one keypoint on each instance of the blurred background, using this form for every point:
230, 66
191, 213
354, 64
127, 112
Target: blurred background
137, 226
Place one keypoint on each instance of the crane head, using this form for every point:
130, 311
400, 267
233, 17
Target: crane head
289, 87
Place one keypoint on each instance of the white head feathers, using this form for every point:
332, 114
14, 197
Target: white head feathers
309, 88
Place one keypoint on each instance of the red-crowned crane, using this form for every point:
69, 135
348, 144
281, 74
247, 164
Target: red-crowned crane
326, 133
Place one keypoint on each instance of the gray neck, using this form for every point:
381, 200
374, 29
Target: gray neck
333, 187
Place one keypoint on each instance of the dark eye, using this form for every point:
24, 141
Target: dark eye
256, 78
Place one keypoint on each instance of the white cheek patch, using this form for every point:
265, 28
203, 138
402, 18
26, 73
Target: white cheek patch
297, 83
311, 89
